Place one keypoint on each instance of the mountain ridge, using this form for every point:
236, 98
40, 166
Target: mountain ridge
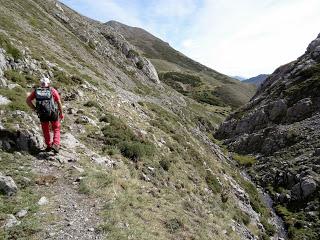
257, 80
207, 85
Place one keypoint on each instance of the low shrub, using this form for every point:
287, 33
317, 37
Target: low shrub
213, 182
255, 199
269, 228
209, 97
118, 134
10, 49
165, 164
15, 76
244, 160
92, 104
17, 96
64, 79
242, 217
111, 150
173, 225
172, 77
136, 150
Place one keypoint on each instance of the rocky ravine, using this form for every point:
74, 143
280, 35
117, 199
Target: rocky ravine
281, 126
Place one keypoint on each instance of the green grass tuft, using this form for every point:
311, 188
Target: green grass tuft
213, 182
92, 104
136, 150
10, 49
16, 76
118, 134
18, 97
244, 160
173, 225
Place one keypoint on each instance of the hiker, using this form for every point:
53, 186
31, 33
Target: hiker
49, 109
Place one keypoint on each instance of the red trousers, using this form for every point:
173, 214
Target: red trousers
56, 132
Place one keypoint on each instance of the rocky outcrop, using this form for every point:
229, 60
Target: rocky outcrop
94, 34
281, 126
7, 185
20, 140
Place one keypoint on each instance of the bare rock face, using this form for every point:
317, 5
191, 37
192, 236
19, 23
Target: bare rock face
10, 222
281, 125
7, 185
96, 34
4, 100
24, 140
304, 189
3, 63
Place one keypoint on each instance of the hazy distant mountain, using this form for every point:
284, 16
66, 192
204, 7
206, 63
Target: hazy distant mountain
239, 78
257, 80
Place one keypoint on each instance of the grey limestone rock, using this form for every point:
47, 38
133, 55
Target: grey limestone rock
43, 201
11, 221
277, 109
7, 185
299, 110
22, 213
303, 189
4, 100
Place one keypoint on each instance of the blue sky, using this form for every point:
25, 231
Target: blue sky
235, 37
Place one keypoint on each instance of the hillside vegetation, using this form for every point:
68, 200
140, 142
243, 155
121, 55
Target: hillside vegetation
138, 159
213, 88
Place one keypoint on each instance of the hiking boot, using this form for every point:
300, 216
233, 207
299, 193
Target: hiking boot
55, 148
48, 149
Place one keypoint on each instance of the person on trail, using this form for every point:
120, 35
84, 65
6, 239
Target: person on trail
49, 109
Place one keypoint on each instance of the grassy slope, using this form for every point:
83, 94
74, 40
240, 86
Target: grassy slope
226, 90
176, 202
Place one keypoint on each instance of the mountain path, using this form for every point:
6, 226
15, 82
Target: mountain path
68, 213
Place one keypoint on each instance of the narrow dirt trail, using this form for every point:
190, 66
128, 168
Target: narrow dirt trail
68, 213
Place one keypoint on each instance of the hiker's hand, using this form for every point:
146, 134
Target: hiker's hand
61, 116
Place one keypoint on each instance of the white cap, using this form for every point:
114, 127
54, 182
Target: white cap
45, 82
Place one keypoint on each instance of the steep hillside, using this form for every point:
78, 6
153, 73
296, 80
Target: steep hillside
280, 125
184, 74
257, 80
137, 158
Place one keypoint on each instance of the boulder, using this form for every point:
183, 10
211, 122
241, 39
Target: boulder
10, 222
305, 188
22, 213
308, 187
4, 100
3, 82
85, 120
299, 110
7, 185
296, 192
316, 152
62, 17
315, 55
277, 109
3, 62
313, 45
43, 201
149, 70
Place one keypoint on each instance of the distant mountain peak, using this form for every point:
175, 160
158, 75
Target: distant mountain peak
257, 80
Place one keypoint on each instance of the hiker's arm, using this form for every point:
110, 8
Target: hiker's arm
29, 101
60, 108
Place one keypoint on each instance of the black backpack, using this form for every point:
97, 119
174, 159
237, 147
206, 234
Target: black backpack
46, 108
